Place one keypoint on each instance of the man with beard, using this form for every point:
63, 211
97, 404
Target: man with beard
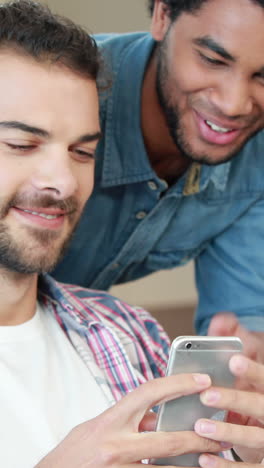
179, 172
62, 358
68, 354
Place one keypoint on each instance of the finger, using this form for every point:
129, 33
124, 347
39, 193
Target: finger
245, 368
139, 465
212, 461
236, 418
223, 324
134, 405
155, 466
148, 422
164, 444
247, 436
247, 403
164, 466
226, 324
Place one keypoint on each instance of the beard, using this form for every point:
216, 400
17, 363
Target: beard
40, 250
173, 116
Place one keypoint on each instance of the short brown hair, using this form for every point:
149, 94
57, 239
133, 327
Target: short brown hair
31, 28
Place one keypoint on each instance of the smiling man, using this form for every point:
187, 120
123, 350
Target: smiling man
37, 147
76, 365
66, 354
49, 129
180, 167
209, 84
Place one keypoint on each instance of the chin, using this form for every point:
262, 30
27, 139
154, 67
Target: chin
210, 156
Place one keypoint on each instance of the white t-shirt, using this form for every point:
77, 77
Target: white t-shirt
45, 390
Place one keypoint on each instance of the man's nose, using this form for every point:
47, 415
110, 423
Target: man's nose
233, 98
55, 173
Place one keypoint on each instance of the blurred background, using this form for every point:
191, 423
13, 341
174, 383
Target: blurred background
169, 295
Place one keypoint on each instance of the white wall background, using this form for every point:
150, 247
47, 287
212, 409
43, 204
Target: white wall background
105, 15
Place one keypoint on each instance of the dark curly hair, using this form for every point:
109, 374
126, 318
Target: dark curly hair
30, 28
176, 7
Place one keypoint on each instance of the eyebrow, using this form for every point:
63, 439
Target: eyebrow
90, 137
24, 127
13, 124
210, 43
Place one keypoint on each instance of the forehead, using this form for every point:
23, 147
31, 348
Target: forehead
46, 95
214, 8
234, 22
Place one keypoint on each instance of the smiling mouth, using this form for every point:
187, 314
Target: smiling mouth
212, 132
42, 215
218, 129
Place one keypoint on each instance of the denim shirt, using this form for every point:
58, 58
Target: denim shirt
133, 225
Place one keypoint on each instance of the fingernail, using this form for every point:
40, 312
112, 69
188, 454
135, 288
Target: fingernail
202, 379
205, 427
210, 396
207, 461
238, 364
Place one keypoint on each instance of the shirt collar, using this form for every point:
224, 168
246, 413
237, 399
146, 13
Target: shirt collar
218, 175
78, 308
69, 307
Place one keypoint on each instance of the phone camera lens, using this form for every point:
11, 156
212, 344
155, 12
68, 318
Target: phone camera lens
188, 345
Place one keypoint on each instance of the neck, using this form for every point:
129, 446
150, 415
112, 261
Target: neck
164, 155
18, 297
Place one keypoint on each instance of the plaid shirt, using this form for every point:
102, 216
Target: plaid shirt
122, 346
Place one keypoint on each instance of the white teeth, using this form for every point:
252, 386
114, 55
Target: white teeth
42, 215
216, 128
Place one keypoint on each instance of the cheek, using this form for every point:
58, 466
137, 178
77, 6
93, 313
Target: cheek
259, 100
10, 189
187, 75
86, 183
191, 81
15, 172
11, 181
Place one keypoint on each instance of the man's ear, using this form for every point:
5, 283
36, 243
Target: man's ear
160, 20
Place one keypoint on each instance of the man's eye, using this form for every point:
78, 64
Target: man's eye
84, 154
210, 60
21, 147
260, 77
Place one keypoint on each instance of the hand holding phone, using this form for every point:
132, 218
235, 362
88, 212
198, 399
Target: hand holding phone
188, 354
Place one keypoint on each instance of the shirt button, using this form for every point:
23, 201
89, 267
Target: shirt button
115, 266
141, 215
165, 184
152, 185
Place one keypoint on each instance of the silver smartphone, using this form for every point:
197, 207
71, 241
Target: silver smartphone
200, 354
